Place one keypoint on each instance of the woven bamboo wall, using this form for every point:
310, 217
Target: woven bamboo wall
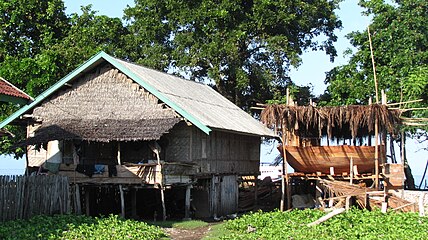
178, 144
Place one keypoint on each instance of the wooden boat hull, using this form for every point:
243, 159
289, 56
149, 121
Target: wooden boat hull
314, 159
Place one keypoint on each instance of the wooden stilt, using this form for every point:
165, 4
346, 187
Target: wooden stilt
87, 204
119, 161
256, 191
351, 171
376, 152
163, 202
78, 205
134, 203
122, 201
213, 197
187, 203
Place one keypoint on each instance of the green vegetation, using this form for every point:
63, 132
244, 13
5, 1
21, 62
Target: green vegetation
78, 227
217, 231
355, 224
400, 43
191, 224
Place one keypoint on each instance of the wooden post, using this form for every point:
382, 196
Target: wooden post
284, 180
376, 153
187, 203
163, 202
78, 209
118, 154
134, 203
87, 199
348, 203
373, 64
421, 205
256, 191
213, 196
122, 201
351, 171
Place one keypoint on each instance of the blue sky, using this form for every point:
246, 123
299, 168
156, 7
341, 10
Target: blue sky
312, 71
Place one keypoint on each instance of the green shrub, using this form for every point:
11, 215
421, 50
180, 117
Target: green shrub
354, 224
78, 227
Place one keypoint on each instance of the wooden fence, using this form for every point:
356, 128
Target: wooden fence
22, 197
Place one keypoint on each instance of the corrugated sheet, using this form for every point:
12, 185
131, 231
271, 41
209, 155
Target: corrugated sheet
201, 101
8, 89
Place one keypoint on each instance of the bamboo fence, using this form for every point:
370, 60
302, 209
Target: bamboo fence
22, 197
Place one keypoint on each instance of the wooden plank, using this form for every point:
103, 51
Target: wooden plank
316, 158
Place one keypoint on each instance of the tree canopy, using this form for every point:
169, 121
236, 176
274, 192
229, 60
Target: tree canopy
40, 44
243, 48
400, 41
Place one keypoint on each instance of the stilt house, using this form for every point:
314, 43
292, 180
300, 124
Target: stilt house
140, 142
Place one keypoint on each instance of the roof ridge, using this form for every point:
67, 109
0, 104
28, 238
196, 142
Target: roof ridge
159, 71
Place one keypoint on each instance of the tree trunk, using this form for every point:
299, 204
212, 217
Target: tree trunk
410, 181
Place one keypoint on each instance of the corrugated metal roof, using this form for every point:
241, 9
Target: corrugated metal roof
201, 101
6, 88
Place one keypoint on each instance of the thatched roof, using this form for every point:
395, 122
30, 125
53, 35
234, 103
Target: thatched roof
102, 106
103, 130
340, 122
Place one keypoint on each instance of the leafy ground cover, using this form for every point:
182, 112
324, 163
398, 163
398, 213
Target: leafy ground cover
355, 224
78, 227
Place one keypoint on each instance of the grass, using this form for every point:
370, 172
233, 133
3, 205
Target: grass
217, 231
190, 224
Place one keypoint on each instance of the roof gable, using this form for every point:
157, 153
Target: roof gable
198, 103
10, 93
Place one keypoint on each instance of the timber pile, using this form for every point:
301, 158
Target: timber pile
268, 194
361, 194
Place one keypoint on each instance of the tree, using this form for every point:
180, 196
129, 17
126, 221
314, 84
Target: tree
28, 27
244, 48
38, 54
400, 42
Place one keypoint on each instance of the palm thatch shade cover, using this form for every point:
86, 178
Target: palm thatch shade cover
335, 122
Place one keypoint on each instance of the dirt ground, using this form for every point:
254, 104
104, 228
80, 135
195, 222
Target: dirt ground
188, 234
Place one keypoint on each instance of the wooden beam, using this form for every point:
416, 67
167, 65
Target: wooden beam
326, 217
373, 64
399, 103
